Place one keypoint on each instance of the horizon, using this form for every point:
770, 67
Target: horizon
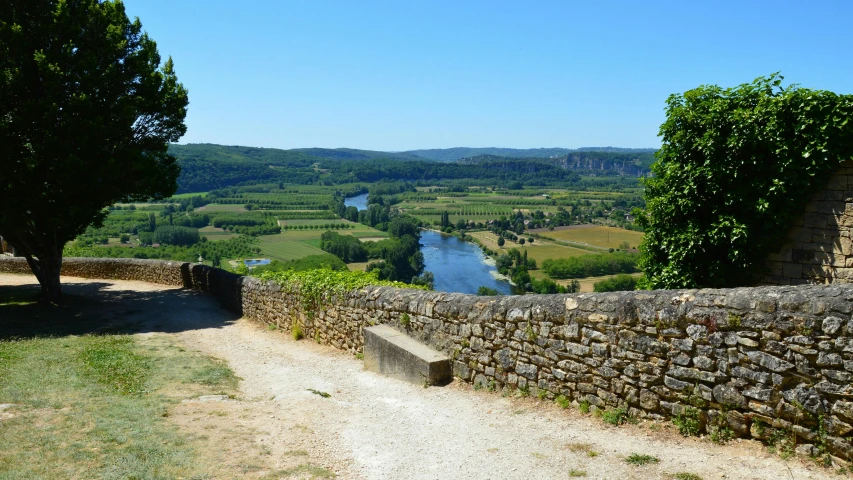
417, 149
398, 77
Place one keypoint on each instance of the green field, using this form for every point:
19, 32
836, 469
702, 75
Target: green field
212, 233
293, 244
606, 237
277, 247
219, 207
314, 222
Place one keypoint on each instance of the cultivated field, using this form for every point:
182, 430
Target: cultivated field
596, 235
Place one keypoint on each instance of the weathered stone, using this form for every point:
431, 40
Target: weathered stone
831, 325
729, 396
825, 359
769, 361
675, 384
526, 370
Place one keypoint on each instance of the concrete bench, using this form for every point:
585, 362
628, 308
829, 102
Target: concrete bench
399, 356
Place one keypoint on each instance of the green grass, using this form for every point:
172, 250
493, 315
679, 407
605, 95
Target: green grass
302, 471
294, 244
641, 459
279, 247
97, 407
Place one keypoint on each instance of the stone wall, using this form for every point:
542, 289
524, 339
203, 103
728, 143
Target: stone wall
751, 359
820, 247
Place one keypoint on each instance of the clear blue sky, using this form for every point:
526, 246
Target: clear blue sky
408, 74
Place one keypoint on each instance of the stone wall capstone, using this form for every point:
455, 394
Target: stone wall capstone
750, 359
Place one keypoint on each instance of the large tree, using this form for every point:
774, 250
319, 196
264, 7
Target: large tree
736, 168
87, 111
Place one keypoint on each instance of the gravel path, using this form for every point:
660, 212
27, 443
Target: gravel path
373, 427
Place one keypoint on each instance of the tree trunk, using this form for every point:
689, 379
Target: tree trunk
47, 270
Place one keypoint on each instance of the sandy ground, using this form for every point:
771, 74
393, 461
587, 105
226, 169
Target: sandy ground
373, 427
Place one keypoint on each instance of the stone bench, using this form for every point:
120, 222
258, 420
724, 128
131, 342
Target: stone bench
397, 355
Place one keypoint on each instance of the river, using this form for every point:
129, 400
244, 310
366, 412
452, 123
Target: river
458, 266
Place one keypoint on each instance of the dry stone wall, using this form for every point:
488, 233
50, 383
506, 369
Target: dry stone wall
820, 246
752, 360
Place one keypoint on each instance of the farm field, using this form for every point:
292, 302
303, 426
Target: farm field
220, 207
539, 250
586, 283
212, 233
277, 247
597, 235
293, 244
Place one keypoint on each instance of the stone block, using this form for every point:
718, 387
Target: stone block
792, 270
397, 355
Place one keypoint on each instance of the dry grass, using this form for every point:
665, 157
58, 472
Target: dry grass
600, 236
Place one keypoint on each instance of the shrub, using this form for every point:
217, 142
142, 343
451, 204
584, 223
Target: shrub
736, 168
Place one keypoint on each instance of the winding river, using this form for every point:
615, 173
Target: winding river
458, 266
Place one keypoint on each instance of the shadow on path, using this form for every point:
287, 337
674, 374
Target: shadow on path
104, 307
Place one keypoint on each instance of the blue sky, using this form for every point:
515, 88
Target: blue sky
400, 75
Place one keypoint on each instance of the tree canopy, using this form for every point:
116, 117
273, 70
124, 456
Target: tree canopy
736, 168
87, 111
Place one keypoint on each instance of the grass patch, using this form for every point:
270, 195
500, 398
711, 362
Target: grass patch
217, 374
98, 406
641, 460
685, 476
577, 473
111, 361
301, 471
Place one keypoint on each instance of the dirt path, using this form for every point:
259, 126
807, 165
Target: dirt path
373, 427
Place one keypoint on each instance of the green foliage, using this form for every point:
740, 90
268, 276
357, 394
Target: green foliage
584, 406
591, 265
619, 283
346, 247
484, 291
320, 393
641, 459
296, 331
686, 476
315, 287
616, 416
94, 132
311, 262
737, 167
181, 236
688, 422
405, 320
562, 401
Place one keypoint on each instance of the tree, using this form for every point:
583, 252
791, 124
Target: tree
736, 168
501, 241
86, 116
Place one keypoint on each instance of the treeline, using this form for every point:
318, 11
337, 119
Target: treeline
170, 235
591, 265
242, 246
210, 167
399, 257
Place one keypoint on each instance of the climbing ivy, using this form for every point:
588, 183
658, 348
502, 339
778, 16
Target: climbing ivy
737, 166
316, 287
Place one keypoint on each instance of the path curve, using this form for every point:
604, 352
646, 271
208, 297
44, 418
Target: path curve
373, 427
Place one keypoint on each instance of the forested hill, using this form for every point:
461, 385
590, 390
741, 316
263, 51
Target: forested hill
585, 162
454, 154
207, 167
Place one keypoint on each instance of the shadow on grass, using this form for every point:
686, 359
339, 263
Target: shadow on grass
101, 308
